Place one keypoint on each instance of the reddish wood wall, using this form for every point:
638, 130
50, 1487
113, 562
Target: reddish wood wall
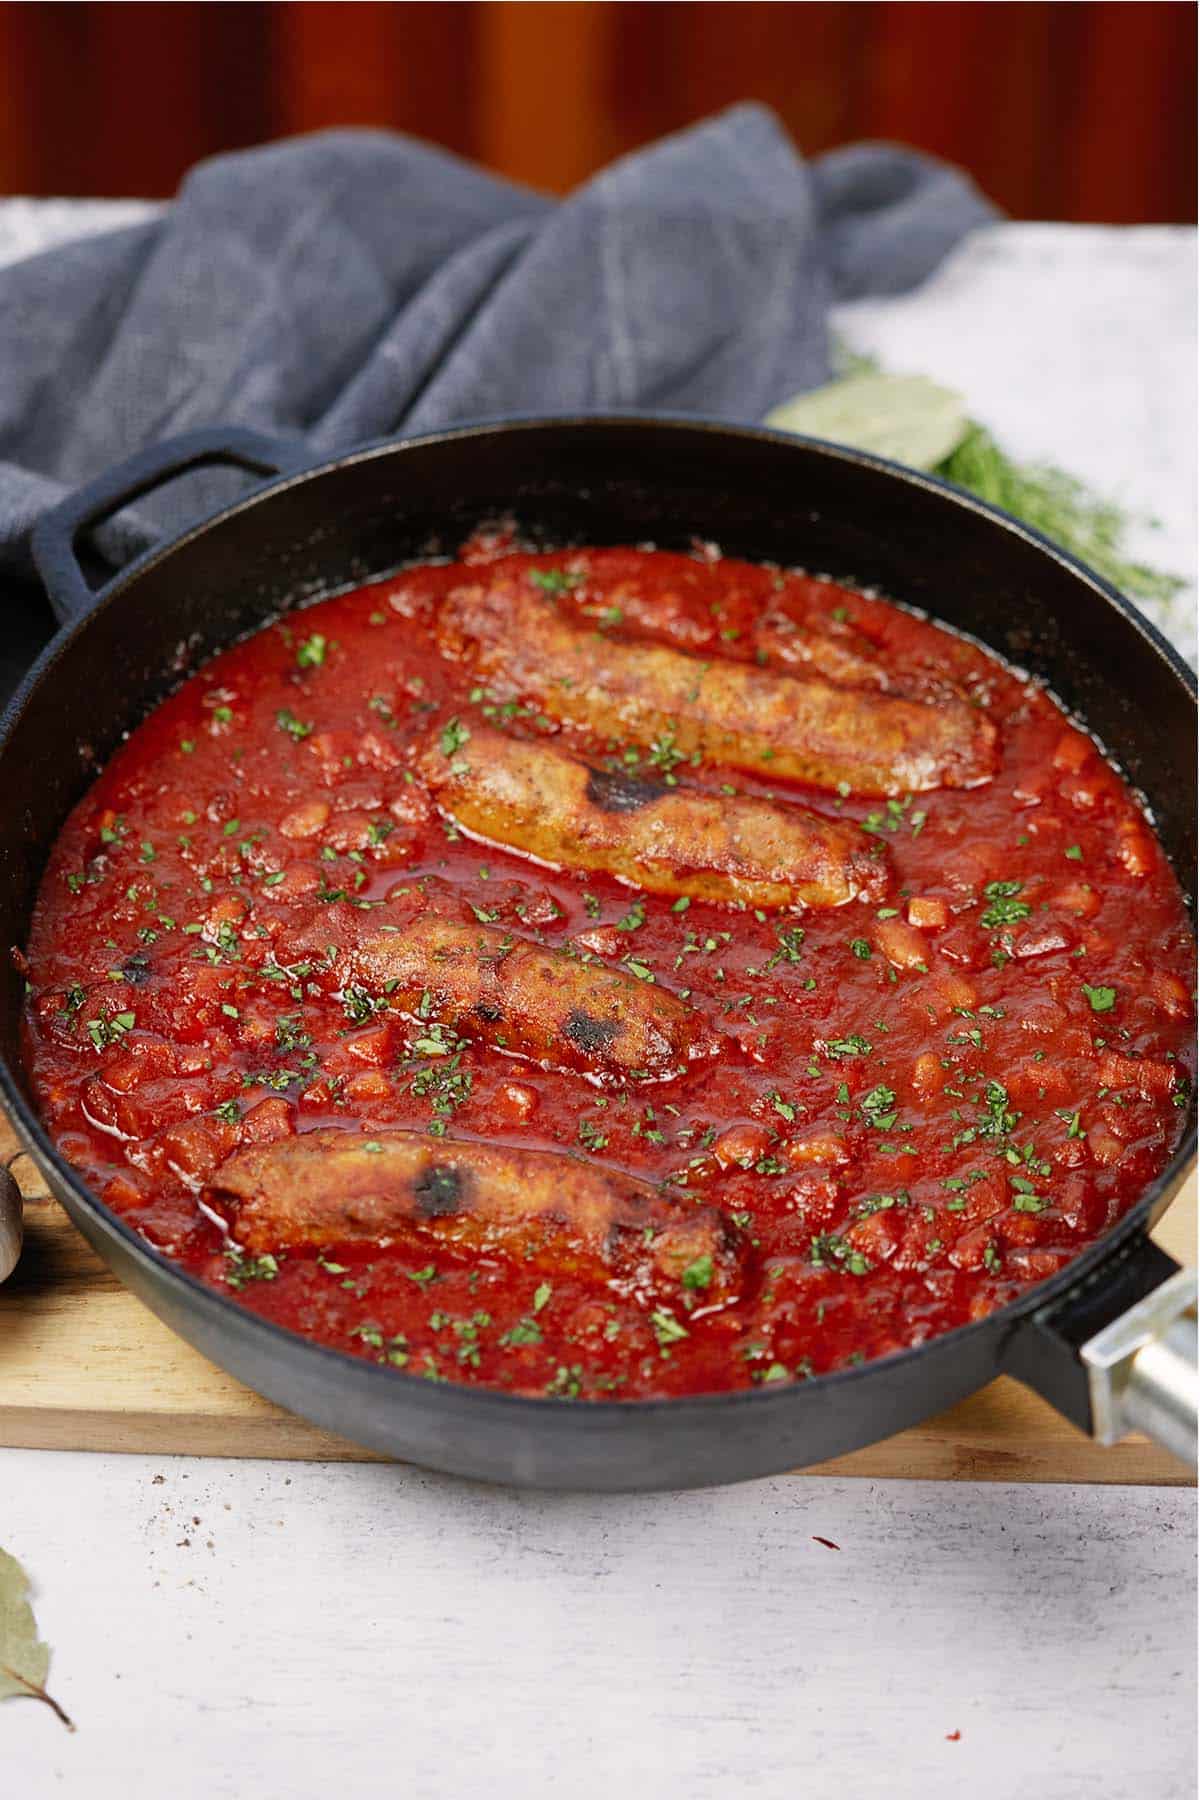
1076, 111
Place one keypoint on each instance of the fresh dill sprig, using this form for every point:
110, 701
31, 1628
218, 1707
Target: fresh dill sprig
1060, 506
915, 421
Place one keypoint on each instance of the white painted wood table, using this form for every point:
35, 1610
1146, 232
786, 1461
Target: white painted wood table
231, 1628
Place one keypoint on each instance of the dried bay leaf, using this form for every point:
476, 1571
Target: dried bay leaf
906, 417
24, 1659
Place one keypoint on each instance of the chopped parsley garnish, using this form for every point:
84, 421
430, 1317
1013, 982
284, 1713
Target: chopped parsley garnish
829, 1251
879, 1108
663, 753
698, 1275
1100, 999
877, 823
359, 1006
311, 653
110, 1028
667, 1328
454, 735
242, 1269
525, 1331
591, 1137
790, 937
1003, 907
554, 581
287, 721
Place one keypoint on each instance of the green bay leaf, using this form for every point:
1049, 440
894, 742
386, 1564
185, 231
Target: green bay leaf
24, 1659
906, 417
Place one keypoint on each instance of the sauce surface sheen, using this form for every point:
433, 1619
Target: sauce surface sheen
910, 1105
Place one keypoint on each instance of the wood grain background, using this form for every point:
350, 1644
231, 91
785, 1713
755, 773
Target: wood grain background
1067, 111
85, 1366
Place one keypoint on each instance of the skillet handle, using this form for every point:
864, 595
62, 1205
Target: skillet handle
1119, 1354
1142, 1373
56, 532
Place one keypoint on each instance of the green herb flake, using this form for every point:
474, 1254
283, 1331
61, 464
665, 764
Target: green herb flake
311, 653
698, 1275
454, 735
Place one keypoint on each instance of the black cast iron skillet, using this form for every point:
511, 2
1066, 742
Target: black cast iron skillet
592, 480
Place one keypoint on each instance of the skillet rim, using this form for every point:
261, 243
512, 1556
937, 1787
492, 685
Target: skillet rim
594, 1415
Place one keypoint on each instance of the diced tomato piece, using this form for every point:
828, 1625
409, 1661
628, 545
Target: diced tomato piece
374, 1046
120, 1194
195, 1148
270, 1119
1029, 1082
516, 1100
1106, 1149
927, 912
100, 1105
376, 752
1078, 897
124, 1074
742, 1145
1135, 847
299, 883
306, 821
1142, 1072
947, 992
410, 804
1170, 994
1041, 938
903, 946
230, 909
984, 1200
1038, 1265
333, 752
822, 1147
1082, 792
1082, 1208
601, 940
1042, 1017
394, 852
349, 831
1019, 1227
970, 1250
1072, 752
877, 1235
369, 1086
928, 1075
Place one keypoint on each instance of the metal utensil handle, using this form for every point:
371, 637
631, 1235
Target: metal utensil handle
1142, 1373
11, 1223
229, 446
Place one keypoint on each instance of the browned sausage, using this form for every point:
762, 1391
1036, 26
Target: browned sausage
550, 1212
839, 653
806, 729
671, 840
555, 1007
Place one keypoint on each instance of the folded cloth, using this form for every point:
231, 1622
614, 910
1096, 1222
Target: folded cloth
352, 285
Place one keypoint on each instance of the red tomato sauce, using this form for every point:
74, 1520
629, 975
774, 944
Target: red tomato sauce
920, 1109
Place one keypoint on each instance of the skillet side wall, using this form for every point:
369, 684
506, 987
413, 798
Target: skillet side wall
758, 497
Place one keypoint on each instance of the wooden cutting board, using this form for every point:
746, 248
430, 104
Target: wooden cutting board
85, 1366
